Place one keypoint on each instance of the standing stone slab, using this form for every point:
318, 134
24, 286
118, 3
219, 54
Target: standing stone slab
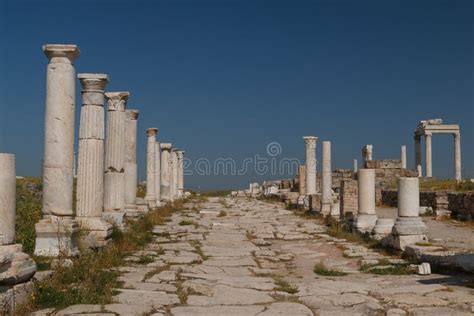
90, 179
114, 189
150, 196
56, 232
130, 175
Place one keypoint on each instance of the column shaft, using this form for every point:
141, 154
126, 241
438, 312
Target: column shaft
180, 174
429, 168
310, 147
457, 156
130, 172
7, 199
403, 156
165, 170
418, 155
366, 182
326, 199
150, 165
158, 172
174, 169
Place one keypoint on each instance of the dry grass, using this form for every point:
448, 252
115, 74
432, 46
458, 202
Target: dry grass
321, 269
446, 185
284, 286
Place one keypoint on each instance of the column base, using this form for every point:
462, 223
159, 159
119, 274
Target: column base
401, 242
97, 231
56, 236
15, 265
326, 208
116, 218
406, 226
365, 223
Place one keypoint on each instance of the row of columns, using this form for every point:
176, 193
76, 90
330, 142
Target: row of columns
107, 161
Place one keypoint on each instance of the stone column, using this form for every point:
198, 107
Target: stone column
366, 154
457, 156
366, 217
90, 179
114, 190
180, 173
409, 228
302, 179
418, 155
150, 196
403, 156
158, 173
165, 171
130, 172
326, 199
174, 174
310, 147
429, 168
354, 166
15, 266
58, 162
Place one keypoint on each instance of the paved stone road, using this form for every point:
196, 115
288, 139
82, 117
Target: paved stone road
229, 257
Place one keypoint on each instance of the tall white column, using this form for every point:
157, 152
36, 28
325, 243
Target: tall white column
90, 178
158, 172
429, 168
174, 174
326, 199
355, 166
180, 174
15, 266
409, 228
418, 155
366, 217
457, 156
403, 156
58, 162
150, 196
130, 172
166, 171
114, 191
310, 148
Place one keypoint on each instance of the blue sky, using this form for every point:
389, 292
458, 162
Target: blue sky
226, 78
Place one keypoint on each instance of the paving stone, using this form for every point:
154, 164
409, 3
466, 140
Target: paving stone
217, 310
286, 308
128, 309
80, 309
226, 295
147, 298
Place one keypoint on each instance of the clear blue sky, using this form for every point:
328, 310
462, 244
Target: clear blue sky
225, 78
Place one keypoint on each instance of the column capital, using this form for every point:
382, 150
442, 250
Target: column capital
151, 131
61, 53
166, 146
117, 101
180, 153
95, 82
310, 140
428, 134
457, 134
132, 115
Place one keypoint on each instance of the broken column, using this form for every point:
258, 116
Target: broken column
150, 196
366, 154
158, 173
15, 265
130, 166
57, 231
114, 188
403, 156
180, 173
366, 217
409, 228
310, 148
302, 180
90, 178
326, 199
166, 171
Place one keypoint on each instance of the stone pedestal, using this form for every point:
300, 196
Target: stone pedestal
180, 173
56, 235
409, 227
150, 196
130, 174
366, 217
90, 179
114, 188
310, 149
383, 227
15, 266
166, 171
58, 162
158, 173
326, 191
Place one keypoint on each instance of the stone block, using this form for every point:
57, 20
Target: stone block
55, 236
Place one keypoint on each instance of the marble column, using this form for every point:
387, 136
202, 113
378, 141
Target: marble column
158, 173
429, 168
457, 156
15, 265
114, 189
366, 154
355, 166
310, 148
174, 174
409, 228
58, 162
418, 155
180, 173
302, 179
130, 172
166, 171
403, 156
150, 196
366, 217
326, 198
90, 178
